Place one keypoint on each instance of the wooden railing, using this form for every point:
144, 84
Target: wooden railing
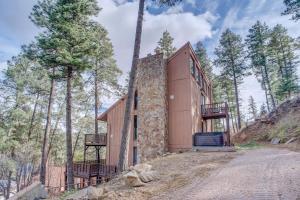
93, 169
95, 139
214, 110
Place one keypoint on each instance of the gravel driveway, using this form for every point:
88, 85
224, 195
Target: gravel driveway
258, 174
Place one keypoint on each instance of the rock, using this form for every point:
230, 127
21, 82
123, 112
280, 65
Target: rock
90, 193
148, 176
142, 168
34, 191
290, 140
132, 179
275, 141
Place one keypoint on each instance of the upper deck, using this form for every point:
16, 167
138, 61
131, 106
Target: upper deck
214, 110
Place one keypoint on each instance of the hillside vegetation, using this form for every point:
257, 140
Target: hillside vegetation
282, 123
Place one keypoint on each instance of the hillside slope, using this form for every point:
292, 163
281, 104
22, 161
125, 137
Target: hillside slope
282, 123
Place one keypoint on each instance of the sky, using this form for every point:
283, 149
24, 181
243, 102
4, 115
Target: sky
191, 20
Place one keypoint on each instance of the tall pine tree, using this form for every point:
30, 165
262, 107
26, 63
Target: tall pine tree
282, 55
66, 42
231, 60
257, 43
252, 108
165, 45
204, 60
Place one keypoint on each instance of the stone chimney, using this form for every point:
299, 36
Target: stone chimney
152, 107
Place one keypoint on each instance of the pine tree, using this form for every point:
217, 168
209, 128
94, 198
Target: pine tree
252, 108
231, 60
257, 43
165, 45
263, 110
67, 40
204, 60
282, 54
292, 8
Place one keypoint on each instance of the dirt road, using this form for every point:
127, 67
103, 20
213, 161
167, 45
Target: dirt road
258, 174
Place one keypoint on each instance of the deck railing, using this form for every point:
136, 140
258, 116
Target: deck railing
214, 109
93, 169
95, 139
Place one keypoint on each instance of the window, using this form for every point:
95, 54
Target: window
136, 99
197, 75
135, 128
134, 155
192, 66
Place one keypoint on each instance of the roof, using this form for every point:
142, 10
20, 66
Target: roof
103, 116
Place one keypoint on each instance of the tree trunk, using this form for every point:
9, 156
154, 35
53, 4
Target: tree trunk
70, 178
96, 101
269, 88
33, 115
46, 132
8, 185
236, 92
123, 156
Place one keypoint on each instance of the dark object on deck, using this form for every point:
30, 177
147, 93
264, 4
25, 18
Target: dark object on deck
209, 139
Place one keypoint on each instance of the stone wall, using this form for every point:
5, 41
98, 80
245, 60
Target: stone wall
152, 107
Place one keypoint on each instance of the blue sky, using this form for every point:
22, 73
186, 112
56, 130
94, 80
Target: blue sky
192, 20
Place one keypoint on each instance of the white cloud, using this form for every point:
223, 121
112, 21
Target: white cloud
120, 21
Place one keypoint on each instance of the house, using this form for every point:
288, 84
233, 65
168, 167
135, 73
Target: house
173, 109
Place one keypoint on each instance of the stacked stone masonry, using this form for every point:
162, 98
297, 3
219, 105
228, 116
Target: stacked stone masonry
152, 107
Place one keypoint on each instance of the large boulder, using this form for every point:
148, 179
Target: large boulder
132, 179
34, 191
148, 176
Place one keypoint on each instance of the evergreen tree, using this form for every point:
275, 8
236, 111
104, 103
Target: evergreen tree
263, 110
66, 42
282, 55
252, 108
165, 45
204, 60
257, 43
292, 8
231, 60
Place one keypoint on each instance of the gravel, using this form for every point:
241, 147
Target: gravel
265, 174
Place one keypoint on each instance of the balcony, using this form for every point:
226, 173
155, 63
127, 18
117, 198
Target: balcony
214, 111
95, 139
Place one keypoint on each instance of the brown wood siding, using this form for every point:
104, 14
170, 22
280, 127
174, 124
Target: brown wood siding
115, 119
185, 109
179, 108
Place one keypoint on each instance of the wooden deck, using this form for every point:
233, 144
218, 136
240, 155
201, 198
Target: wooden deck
214, 111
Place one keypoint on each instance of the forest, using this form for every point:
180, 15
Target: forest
53, 90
